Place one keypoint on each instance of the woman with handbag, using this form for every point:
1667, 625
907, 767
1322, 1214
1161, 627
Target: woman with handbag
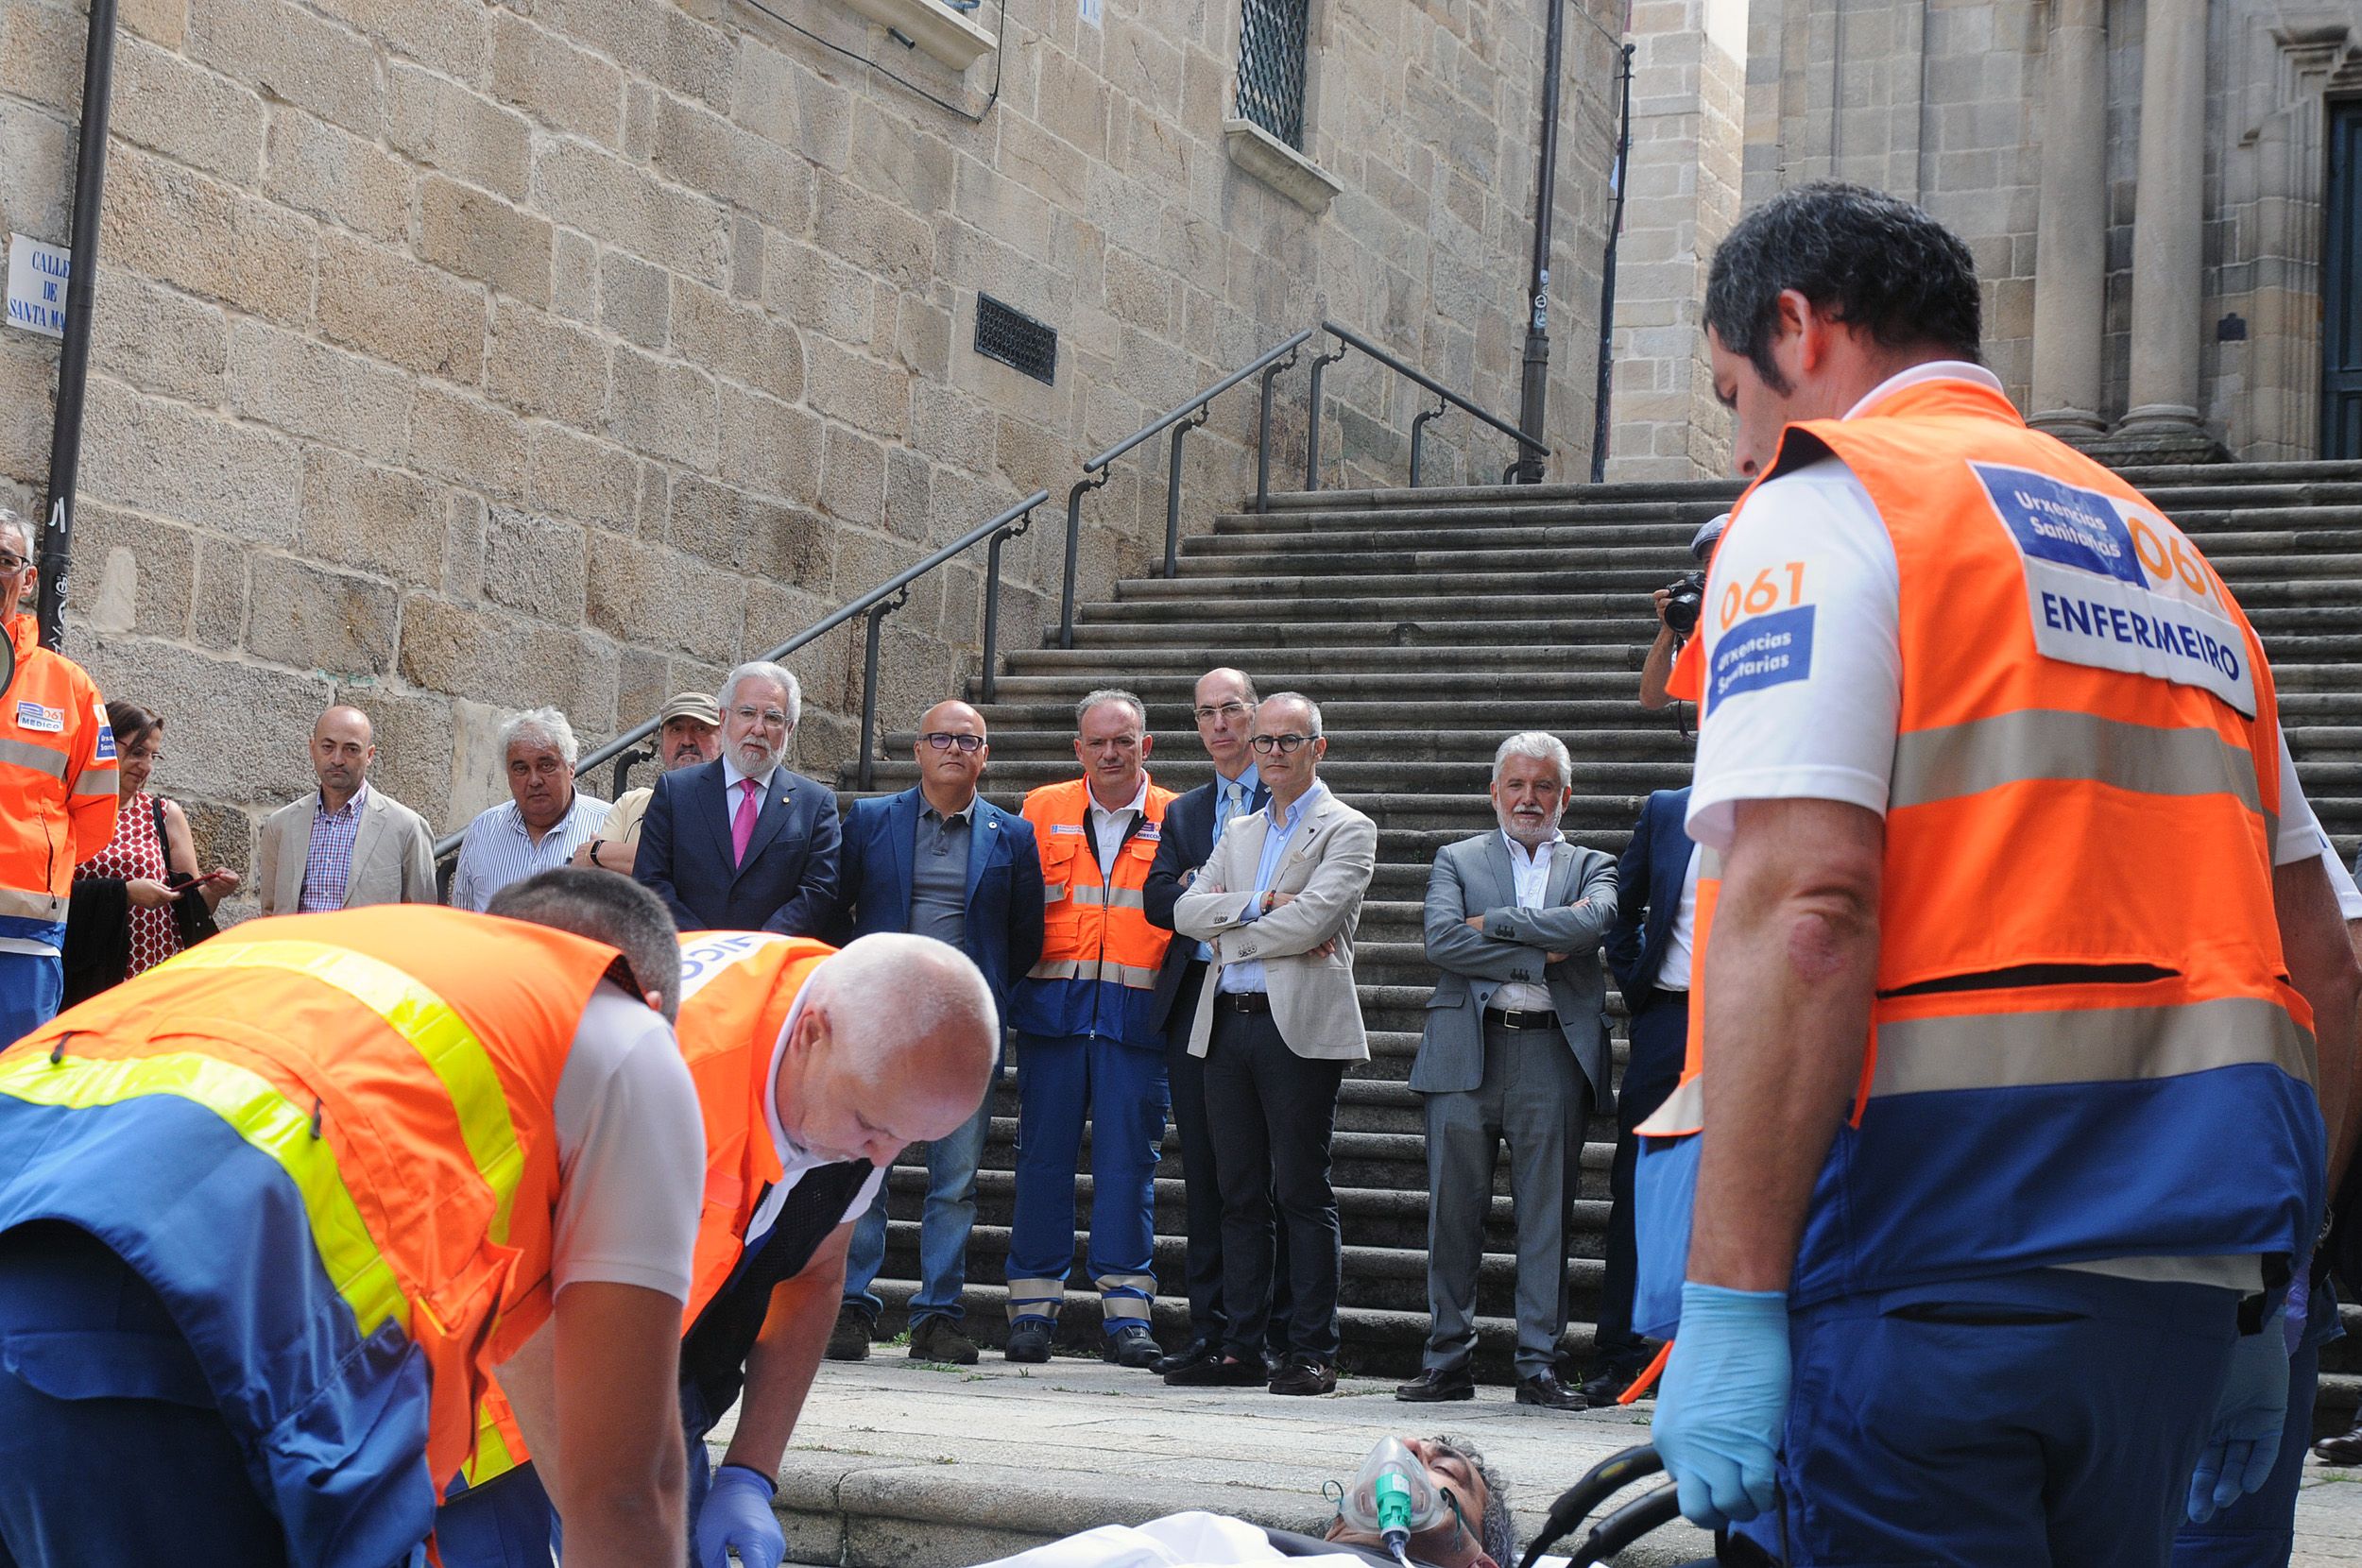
141, 899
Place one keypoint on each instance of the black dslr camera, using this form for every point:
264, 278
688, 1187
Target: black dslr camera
1688, 597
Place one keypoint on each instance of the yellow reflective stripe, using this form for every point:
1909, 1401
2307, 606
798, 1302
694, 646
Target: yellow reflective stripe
265, 1120
2043, 743
98, 779
41, 759
2088, 1045
491, 1456
440, 1036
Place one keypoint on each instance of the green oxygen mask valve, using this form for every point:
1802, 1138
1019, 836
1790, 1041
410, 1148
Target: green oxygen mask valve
1393, 1497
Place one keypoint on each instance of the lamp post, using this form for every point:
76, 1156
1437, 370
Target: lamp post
1533, 400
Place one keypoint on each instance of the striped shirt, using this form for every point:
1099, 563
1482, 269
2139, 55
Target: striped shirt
497, 850
328, 865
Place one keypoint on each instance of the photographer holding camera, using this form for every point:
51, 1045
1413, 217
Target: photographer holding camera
1677, 605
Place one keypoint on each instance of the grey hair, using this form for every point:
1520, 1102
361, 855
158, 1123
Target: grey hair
915, 994
10, 518
763, 668
1538, 744
546, 726
1309, 707
1107, 694
604, 908
1499, 1528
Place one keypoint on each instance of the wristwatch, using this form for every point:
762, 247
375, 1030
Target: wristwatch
594, 852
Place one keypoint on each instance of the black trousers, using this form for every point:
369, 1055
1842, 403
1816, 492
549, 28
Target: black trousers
1185, 1075
1660, 1040
1272, 1113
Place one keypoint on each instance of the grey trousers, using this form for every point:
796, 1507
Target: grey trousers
1536, 1099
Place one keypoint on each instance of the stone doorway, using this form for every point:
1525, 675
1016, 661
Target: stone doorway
2341, 286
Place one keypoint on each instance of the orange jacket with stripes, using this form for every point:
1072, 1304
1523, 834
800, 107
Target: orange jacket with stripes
57, 784
1096, 973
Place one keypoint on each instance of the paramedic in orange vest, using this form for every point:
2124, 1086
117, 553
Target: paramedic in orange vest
1088, 1042
2015, 947
57, 790
271, 1213
813, 1069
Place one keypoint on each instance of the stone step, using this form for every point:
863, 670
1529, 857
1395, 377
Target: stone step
2256, 581
1612, 569
1186, 661
1015, 742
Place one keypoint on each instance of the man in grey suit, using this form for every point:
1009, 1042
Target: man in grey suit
1278, 1020
348, 843
1515, 1050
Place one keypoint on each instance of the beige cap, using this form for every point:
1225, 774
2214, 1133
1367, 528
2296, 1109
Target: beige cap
691, 705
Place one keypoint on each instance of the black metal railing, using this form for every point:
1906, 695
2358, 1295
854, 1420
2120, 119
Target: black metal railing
1348, 339
1272, 36
1180, 419
626, 751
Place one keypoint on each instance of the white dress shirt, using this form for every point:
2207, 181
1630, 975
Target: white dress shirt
1108, 827
1530, 871
1673, 972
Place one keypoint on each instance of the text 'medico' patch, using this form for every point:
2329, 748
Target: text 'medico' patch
2114, 586
1766, 651
46, 721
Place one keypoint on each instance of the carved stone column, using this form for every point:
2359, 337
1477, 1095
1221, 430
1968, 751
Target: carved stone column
2168, 244
2071, 233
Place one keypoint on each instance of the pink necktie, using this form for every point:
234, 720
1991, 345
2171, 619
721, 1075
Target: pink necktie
743, 825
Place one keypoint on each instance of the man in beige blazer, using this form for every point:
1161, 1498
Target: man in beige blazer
1278, 901
347, 843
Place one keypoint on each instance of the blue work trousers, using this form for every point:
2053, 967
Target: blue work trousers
31, 985
1121, 1090
113, 1447
943, 1228
2043, 1420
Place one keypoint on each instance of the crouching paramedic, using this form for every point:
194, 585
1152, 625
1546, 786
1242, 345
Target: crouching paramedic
271, 1213
813, 1069
2014, 941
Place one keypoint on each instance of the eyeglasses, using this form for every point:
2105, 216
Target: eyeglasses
11, 565
942, 742
772, 718
1226, 711
1280, 743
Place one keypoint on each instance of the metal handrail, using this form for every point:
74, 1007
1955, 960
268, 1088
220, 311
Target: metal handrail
875, 604
1351, 339
1194, 411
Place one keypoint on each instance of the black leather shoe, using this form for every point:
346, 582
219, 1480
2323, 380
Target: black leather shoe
1188, 1356
1607, 1385
1303, 1374
1438, 1384
1544, 1388
2345, 1449
1132, 1347
1028, 1342
1217, 1372
849, 1339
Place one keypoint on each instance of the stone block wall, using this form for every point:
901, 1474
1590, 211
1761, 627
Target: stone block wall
452, 357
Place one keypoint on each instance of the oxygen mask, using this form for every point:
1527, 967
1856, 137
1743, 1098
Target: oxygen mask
1393, 1495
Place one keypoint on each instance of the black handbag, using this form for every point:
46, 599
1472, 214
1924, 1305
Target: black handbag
191, 915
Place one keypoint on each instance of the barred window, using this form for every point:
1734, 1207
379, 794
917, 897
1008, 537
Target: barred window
1271, 66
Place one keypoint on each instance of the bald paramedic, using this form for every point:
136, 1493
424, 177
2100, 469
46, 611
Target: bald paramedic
2022, 989
57, 790
814, 1067
271, 1213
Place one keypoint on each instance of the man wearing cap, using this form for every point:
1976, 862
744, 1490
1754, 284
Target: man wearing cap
689, 731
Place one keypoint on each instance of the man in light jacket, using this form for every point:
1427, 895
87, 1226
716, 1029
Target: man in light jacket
348, 843
1276, 1024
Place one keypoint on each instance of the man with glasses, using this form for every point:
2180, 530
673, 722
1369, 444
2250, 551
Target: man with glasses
744, 843
1278, 1021
938, 860
1087, 1044
1225, 707
57, 790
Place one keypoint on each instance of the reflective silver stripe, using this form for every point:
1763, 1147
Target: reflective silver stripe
1124, 898
1120, 1308
1035, 1298
96, 781
1683, 1111
1709, 864
1128, 974
50, 764
26, 905
2106, 1044
1052, 892
2032, 744
1088, 892
1054, 969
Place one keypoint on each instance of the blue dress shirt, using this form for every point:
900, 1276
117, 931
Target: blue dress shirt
1248, 975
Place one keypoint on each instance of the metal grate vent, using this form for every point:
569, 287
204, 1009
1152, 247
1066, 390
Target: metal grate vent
1016, 339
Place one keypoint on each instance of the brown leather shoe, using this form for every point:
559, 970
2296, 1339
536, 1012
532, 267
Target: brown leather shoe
2344, 1449
849, 1339
1304, 1376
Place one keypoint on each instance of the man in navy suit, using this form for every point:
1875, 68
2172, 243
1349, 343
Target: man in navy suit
939, 861
1224, 708
744, 843
1648, 951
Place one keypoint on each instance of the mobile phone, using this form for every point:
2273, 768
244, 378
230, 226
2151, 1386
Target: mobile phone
200, 881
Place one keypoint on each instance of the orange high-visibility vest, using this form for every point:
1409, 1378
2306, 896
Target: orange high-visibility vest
1096, 973
327, 1141
737, 989
2085, 786
57, 784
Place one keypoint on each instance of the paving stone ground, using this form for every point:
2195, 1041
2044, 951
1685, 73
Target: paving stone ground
995, 1446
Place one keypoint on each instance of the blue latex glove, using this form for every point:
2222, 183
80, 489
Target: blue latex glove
1724, 1403
737, 1516
2249, 1420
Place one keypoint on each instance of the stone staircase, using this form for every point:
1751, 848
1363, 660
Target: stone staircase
1427, 624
